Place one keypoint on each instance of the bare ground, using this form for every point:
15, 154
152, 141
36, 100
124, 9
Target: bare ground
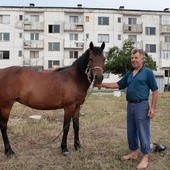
102, 135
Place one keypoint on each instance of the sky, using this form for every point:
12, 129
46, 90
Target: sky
128, 4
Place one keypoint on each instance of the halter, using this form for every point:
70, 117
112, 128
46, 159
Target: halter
89, 73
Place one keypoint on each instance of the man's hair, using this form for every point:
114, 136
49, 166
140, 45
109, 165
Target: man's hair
137, 50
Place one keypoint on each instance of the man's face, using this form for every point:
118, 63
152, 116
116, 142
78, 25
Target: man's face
137, 60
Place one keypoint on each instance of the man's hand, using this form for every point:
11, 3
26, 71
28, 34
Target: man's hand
151, 112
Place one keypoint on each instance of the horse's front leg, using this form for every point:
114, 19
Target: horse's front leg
66, 127
76, 133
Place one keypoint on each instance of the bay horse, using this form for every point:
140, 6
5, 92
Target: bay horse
61, 88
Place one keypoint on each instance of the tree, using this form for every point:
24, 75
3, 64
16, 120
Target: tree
119, 60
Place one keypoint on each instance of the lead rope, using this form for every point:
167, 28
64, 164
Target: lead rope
43, 144
53, 140
91, 81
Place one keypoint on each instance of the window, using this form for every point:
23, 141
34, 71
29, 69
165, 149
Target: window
165, 54
34, 36
132, 21
167, 73
53, 63
73, 54
73, 19
119, 20
4, 36
165, 20
103, 20
87, 19
20, 35
151, 48
19, 53
103, 38
79, 27
5, 19
34, 18
54, 28
34, 54
167, 39
73, 36
150, 30
20, 17
53, 46
119, 37
87, 36
133, 38
4, 54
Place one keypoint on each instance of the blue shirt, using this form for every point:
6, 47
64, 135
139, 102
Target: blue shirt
139, 86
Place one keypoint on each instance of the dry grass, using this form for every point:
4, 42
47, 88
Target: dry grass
102, 135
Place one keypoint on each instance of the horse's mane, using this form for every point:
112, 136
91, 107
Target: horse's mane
61, 68
82, 62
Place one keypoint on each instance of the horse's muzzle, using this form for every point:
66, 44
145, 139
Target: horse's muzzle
98, 79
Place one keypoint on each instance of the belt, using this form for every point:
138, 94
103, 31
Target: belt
137, 101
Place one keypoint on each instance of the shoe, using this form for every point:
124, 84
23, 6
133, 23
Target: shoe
159, 148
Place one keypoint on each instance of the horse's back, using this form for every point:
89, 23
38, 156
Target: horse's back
12, 75
40, 90
11, 81
9, 74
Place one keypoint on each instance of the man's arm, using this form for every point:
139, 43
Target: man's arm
108, 85
154, 98
151, 112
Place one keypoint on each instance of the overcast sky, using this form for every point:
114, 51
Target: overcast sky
129, 4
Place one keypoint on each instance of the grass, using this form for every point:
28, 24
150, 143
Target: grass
102, 135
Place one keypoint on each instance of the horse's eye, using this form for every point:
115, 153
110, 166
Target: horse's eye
90, 59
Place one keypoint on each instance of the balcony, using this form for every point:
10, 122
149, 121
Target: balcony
69, 61
74, 27
132, 28
138, 44
165, 46
74, 44
164, 63
38, 26
19, 25
30, 62
33, 44
164, 29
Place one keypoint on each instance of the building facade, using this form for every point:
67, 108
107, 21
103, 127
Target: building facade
49, 37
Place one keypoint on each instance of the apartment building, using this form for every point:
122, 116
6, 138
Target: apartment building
49, 37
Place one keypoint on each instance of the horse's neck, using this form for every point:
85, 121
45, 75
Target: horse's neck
82, 79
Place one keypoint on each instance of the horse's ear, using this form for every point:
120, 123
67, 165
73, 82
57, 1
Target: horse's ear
91, 45
103, 46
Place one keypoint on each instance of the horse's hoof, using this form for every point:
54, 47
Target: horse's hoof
66, 153
10, 153
77, 147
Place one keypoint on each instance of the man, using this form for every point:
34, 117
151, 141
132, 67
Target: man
138, 81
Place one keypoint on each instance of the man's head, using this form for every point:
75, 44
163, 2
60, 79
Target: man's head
137, 58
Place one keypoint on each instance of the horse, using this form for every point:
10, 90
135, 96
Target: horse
64, 88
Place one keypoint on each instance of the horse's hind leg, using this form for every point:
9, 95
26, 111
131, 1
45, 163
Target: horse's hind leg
4, 116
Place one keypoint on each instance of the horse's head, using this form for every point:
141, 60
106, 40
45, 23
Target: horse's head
96, 63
